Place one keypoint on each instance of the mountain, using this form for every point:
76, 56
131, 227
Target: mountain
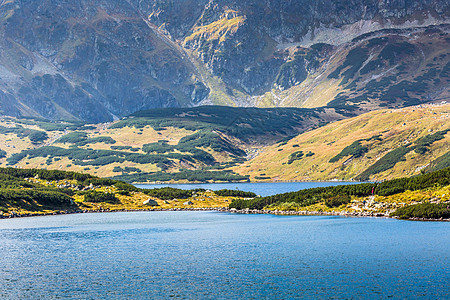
88, 60
98, 60
219, 143
254, 46
379, 145
182, 144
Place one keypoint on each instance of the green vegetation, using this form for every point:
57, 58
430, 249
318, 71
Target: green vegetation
208, 139
353, 62
392, 52
305, 197
334, 195
234, 193
337, 200
81, 139
295, 156
32, 199
126, 169
217, 130
243, 123
52, 125
424, 211
168, 193
423, 143
124, 148
42, 191
84, 157
186, 175
439, 163
159, 147
387, 162
355, 150
97, 197
17, 192
18, 176
35, 136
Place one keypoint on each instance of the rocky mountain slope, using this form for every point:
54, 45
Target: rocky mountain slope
100, 59
88, 60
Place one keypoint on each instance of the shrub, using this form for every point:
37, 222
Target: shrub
97, 197
423, 210
337, 200
355, 150
387, 162
235, 193
295, 156
168, 193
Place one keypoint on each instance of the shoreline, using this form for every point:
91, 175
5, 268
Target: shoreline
237, 182
324, 213
13, 216
232, 210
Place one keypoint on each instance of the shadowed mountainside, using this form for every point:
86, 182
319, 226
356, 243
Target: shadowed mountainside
96, 60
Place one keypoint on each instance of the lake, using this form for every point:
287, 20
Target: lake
216, 255
259, 188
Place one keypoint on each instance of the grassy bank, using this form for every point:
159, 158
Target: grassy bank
396, 198
34, 191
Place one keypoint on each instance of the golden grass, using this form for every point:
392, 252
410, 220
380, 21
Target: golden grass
397, 128
132, 202
377, 204
218, 30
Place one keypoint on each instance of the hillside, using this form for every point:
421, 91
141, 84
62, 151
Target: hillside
379, 145
26, 192
421, 197
101, 60
215, 143
196, 144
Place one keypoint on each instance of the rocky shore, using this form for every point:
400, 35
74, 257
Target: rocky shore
323, 213
223, 209
67, 212
309, 213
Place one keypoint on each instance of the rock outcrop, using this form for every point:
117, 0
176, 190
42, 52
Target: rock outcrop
97, 60
90, 60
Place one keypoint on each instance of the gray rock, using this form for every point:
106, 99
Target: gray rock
150, 202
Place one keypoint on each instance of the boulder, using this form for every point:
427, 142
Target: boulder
150, 202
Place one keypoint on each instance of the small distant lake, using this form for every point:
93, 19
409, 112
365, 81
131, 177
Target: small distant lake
259, 188
219, 255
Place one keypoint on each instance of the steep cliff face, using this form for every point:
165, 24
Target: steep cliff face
89, 60
98, 59
388, 68
246, 43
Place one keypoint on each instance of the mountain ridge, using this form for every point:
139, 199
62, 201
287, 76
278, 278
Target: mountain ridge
99, 60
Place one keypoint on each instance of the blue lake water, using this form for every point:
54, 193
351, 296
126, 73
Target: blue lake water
260, 188
214, 255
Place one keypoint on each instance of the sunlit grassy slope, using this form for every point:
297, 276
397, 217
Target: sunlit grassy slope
378, 133
154, 145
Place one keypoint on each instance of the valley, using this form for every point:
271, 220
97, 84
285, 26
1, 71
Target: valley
224, 144
269, 149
